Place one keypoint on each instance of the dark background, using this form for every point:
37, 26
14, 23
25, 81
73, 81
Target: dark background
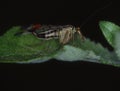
56, 74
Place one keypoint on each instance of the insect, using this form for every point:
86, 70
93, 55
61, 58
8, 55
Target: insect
63, 33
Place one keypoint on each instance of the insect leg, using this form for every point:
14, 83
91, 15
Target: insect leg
67, 36
81, 36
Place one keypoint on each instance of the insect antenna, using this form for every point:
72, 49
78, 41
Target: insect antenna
94, 13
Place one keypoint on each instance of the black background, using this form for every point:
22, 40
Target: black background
55, 74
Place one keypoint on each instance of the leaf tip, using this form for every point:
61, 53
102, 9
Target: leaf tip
101, 23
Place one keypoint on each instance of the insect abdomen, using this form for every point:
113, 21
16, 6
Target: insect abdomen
48, 35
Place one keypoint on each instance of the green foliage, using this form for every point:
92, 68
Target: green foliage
87, 51
109, 29
117, 44
26, 48
111, 32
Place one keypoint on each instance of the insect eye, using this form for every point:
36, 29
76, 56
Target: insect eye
36, 26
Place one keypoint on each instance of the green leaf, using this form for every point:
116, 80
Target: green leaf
71, 53
25, 48
87, 51
117, 44
109, 30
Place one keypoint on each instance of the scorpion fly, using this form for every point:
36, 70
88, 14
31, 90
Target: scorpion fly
63, 33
